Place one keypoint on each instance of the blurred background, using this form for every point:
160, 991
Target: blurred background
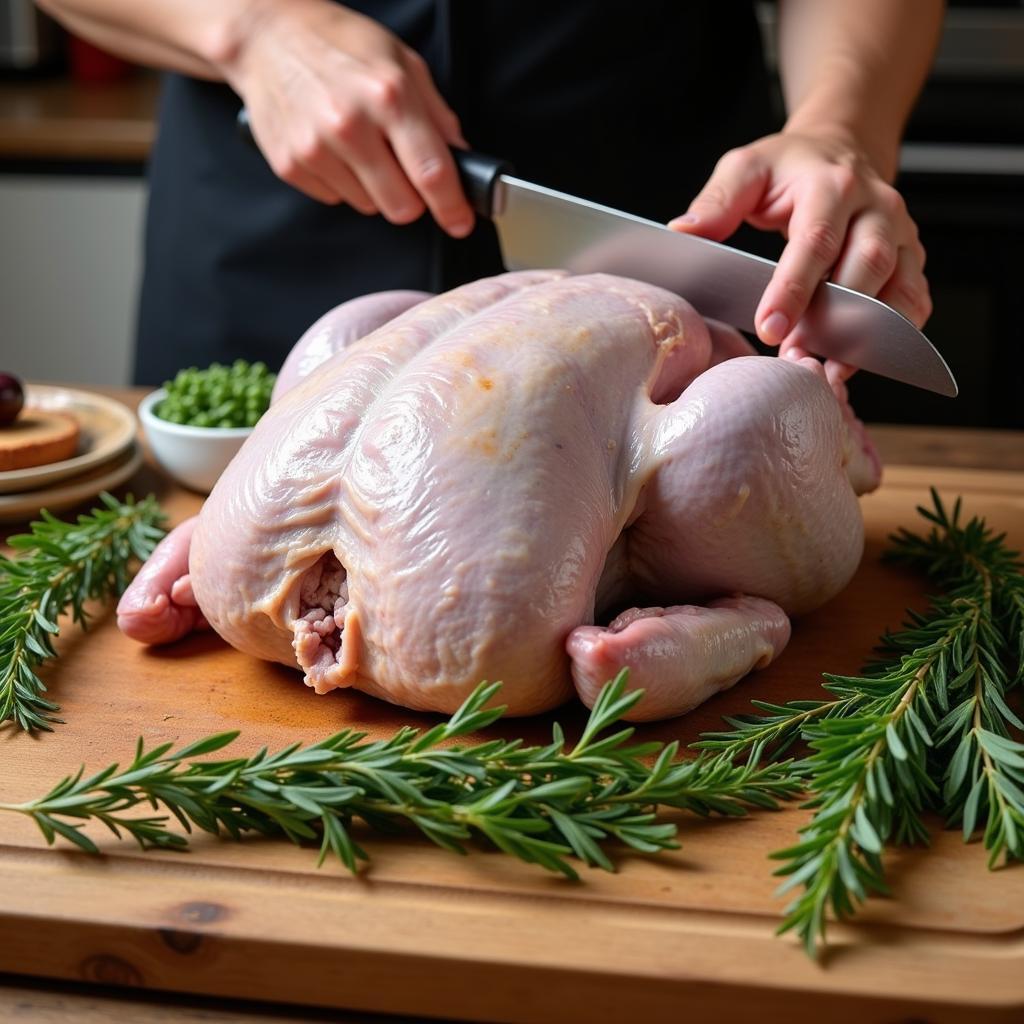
76, 125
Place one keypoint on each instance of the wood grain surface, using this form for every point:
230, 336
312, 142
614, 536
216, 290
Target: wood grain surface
59, 119
28, 1001
482, 938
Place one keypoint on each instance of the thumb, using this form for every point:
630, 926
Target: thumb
733, 191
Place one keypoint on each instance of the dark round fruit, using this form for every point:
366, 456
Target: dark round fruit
12, 398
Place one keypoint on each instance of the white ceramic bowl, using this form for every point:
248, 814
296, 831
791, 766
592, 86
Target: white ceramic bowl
194, 456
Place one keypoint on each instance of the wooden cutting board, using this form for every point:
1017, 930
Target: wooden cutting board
483, 938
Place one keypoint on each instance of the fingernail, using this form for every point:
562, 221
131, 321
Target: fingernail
686, 218
461, 229
774, 328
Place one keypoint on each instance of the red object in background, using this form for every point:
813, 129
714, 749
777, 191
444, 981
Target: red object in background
91, 64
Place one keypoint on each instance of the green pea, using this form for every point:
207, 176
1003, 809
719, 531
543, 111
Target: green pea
224, 396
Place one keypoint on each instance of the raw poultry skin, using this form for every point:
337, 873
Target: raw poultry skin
465, 491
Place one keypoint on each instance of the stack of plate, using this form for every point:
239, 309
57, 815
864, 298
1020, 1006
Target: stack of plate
108, 454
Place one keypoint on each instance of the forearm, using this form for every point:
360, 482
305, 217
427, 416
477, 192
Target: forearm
853, 68
196, 37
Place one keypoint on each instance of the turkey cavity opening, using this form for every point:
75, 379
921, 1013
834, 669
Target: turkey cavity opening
319, 630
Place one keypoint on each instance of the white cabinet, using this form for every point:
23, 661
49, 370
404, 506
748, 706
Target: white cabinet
70, 260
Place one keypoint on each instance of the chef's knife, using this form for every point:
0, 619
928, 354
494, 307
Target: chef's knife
539, 227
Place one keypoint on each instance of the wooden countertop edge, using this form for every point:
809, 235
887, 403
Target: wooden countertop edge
94, 141
949, 447
973, 478
49, 1001
65, 120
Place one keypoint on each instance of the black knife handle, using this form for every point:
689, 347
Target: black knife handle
478, 173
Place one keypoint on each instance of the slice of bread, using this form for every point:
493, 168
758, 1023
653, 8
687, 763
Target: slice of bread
37, 438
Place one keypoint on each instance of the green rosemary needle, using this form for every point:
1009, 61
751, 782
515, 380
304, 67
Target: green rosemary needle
541, 804
57, 565
978, 758
926, 727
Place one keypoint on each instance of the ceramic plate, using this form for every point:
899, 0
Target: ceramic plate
107, 429
20, 508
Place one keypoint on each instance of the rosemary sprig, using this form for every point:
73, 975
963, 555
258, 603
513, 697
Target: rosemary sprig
767, 736
931, 708
57, 565
868, 777
541, 804
980, 762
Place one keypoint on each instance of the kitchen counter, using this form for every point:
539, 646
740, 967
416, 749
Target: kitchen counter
31, 1001
949, 447
60, 119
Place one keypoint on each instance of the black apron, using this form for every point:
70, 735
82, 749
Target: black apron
626, 103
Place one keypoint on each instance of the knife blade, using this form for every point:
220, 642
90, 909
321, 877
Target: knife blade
539, 227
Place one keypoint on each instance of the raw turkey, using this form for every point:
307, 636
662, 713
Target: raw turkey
534, 478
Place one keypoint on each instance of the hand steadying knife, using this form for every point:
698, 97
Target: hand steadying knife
539, 227
348, 112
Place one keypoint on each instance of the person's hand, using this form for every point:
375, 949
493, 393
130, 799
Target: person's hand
841, 219
347, 113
